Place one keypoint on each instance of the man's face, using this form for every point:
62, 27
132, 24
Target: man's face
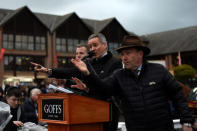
81, 52
35, 96
132, 58
98, 47
13, 101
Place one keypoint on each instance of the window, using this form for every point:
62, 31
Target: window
38, 46
83, 42
43, 43
21, 63
63, 47
40, 43
60, 44
18, 42
72, 43
75, 43
24, 42
8, 41
64, 62
8, 62
30, 43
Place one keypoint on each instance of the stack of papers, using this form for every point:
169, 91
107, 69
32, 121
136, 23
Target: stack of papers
57, 88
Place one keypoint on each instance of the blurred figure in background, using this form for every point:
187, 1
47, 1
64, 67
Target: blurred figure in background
1, 93
81, 51
30, 106
12, 98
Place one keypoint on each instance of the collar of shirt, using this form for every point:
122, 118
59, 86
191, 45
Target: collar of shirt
139, 69
102, 56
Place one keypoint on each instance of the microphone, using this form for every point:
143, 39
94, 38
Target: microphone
89, 55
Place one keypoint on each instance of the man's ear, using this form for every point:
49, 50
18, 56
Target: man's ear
105, 44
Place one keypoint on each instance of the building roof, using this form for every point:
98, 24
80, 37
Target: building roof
47, 19
52, 22
168, 42
96, 25
60, 20
9, 14
3, 14
99, 25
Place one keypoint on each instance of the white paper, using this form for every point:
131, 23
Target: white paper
59, 89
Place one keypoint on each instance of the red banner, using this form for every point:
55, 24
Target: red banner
2, 54
55, 58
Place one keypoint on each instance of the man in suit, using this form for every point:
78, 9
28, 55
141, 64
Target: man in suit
103, 64
30, 106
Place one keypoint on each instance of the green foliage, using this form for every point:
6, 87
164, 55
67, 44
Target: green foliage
184, 72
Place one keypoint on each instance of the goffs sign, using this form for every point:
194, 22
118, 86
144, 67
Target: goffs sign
53, 109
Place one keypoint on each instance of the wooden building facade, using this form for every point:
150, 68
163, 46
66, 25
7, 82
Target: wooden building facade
46, 39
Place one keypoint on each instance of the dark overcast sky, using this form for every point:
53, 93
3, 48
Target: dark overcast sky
138, 16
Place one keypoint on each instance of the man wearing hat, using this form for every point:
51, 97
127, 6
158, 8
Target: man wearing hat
144, 88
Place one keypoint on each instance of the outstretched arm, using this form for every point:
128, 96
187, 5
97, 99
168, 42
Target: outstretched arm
40, 68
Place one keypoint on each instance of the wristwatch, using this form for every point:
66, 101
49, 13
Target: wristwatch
187, 124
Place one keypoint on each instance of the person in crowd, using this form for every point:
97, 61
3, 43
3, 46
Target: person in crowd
12, 99
1, 94
81, 51
103, 63
30, 106
144, 88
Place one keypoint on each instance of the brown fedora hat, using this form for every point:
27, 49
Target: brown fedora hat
132, 41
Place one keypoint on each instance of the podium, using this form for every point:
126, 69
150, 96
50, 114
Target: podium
71, 112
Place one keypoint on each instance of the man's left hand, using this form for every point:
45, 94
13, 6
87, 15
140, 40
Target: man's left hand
79, 84
186, 128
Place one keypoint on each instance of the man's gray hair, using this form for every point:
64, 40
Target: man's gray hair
35, 91
100, 36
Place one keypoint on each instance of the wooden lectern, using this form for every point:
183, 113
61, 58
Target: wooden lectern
71, 112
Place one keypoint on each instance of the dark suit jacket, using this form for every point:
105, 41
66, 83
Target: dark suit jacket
30, 114
103, 67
